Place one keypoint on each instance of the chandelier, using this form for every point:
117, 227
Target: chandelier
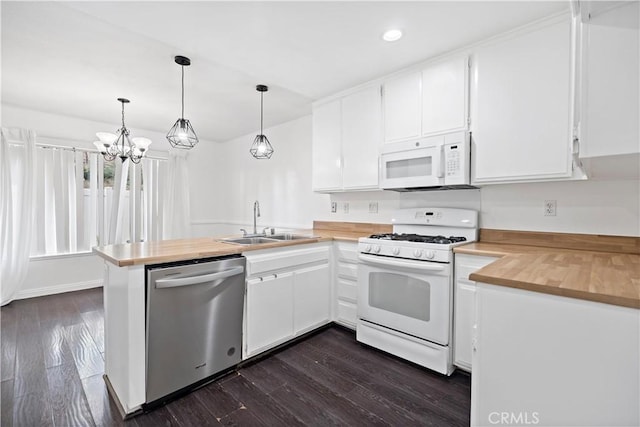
120, 145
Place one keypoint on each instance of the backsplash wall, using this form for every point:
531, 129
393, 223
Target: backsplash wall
283, 187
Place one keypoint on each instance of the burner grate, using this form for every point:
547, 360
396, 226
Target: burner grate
441, 240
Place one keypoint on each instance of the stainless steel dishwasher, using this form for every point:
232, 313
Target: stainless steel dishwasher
194, 322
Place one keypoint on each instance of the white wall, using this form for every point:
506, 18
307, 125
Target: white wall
283, 187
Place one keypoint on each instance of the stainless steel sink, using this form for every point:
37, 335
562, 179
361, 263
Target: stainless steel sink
249, 240
262, 240
290, 236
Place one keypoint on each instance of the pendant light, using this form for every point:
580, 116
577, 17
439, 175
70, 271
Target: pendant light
261, 148
120, 145
182, 135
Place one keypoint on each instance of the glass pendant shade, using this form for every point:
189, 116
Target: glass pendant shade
182, 135
120, 145
261, 147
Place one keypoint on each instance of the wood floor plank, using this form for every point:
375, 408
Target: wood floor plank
267, 410
103, 409
242, 417
55, 347
190, 411
304, 408
68, 402
30, 372
94, 321
218, 401
344, 410
8, 339
32, 409
263, 379
88, 359
6, 403
156, 418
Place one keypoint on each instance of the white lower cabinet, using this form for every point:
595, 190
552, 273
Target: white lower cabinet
269, 319
288, 294
346, 283
464, 307
311, 297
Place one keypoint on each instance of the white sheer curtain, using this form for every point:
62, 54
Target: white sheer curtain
177, 215
16, 208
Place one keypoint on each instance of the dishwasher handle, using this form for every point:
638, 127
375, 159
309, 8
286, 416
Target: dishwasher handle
195, 280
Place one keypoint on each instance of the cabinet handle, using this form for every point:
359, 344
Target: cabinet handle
275, 276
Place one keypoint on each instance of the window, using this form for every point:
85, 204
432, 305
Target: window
82, 201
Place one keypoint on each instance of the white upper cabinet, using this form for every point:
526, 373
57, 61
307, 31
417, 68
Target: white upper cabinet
402, 105
522, 106
444, 96
609, 124
347, 134
327, 146
361, 138
429, 102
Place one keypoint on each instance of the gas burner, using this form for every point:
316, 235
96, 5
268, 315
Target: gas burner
440, 240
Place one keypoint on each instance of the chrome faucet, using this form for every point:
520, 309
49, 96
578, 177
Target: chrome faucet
256, 214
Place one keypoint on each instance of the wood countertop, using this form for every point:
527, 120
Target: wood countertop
129, 254
606, 277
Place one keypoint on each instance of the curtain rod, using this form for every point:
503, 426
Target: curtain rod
66, 147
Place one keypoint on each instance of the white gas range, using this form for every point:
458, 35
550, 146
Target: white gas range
405, 284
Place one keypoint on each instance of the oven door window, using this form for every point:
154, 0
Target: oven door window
400, 294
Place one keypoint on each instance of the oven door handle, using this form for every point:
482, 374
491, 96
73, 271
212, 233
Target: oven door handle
401, 263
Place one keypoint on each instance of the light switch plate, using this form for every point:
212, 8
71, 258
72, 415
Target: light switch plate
373, 207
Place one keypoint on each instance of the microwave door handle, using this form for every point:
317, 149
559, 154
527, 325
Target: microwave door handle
440, 161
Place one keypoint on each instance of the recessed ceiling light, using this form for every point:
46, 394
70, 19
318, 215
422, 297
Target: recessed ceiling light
392, 35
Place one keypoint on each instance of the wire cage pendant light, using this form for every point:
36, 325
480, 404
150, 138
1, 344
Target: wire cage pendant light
181, 134
120, 145
261, 147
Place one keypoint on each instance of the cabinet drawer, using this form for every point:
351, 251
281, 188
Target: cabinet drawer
348, 271
347, 289
347, 252
347, 313
275, 260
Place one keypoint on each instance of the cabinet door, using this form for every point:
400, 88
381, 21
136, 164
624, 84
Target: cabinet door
361, 138
522, 107
611, 68
464, 319
312, 297
402, 104
444, 96
269, 315
326, 147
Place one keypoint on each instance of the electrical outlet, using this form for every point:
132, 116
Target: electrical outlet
373, 207
345, 207
550, 208
334, 207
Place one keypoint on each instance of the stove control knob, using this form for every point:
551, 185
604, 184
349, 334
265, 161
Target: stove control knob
417, 253
367, 248
376, 249
396, 251
430, 254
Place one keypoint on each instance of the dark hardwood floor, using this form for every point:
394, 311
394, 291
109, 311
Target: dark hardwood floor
53, 361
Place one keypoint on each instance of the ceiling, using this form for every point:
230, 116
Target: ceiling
76, 58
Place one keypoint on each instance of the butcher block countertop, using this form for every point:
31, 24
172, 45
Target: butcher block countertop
129, 254
607, 277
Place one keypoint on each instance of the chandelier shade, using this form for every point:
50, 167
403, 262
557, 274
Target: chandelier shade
181, 134
119, 144
261, 147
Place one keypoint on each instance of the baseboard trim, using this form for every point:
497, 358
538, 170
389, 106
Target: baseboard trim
58, 289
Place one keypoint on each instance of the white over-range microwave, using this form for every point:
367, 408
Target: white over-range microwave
433, 163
